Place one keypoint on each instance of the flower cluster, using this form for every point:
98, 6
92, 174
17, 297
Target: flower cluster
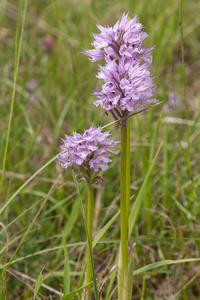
127, 80
89, 151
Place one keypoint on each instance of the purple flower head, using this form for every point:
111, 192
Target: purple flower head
124, 39
128, 85
90, 151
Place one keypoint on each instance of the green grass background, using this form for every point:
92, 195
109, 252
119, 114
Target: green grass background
168, 222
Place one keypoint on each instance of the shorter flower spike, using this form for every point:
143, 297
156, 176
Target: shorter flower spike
90, 151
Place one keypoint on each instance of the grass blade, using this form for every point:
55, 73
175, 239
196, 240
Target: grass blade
163, 263
148, 198
133, 114
23, 185
66, 279
140, 197
17, 59
38, 284
31, 225
109, 292
72, 294
70, 222
104, 229
81, 281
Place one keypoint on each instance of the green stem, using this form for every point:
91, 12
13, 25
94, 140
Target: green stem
128, 173
17, 59
183, 75
124, 229
89, 239
186, 109
165, 159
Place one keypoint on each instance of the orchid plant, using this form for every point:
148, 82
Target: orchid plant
128, 88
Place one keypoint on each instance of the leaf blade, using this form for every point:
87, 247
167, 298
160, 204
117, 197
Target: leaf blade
141, 194
38, 284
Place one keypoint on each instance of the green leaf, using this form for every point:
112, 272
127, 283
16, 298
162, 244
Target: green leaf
163, 263
38, 284
72, 294
140, 196
128, 278
66, 278
81, 281
112, 293
104, 229
133, 114
70, 223
72, 218
41, 252
120, 275
93, 276
109, 293
155, 136
148, 198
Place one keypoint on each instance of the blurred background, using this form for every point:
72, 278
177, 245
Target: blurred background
54, 97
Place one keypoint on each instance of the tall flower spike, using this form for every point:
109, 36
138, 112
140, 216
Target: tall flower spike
124, 39
128, 85
90, 151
